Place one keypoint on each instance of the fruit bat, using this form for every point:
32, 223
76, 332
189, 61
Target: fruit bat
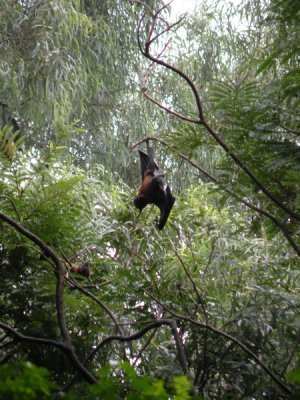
82, 269
153, 189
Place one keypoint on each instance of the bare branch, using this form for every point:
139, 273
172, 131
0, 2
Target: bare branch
169, 111
75, 285
168, 28
200, 298
180, 349
33, 339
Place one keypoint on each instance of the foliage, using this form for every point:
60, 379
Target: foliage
24, 381
140, 387
163, 314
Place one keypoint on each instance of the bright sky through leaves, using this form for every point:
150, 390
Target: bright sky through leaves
180, 7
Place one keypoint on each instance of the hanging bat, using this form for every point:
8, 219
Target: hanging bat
153, 189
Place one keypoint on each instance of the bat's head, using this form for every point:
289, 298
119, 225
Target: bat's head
140, 202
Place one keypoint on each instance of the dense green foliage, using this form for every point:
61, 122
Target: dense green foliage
207, 308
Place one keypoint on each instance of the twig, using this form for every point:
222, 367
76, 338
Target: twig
200, 299
169, 111
143, 348
294, 132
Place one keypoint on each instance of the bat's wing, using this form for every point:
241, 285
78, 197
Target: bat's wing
165, 208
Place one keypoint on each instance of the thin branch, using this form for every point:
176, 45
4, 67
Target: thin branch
143, 348
33, 339
294, 132
251, 175
93, 286
134, 336
59, 272
168, 28
227, 336
180, 349
169, 111
3, 337
200, 299
178, 343
134, 253
77, 286
210, 257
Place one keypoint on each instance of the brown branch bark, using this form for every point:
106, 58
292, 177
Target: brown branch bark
169, 322
180, 349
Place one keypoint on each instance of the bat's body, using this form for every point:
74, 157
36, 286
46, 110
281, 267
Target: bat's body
153, 189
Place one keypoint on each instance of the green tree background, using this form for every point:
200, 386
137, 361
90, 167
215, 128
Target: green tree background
207, 308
